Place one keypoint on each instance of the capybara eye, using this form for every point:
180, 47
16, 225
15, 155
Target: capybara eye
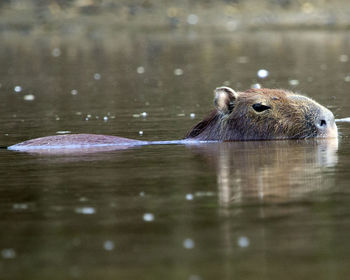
260, 107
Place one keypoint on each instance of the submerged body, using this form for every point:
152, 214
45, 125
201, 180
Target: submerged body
256, 114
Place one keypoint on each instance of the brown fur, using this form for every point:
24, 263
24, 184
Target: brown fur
290, 116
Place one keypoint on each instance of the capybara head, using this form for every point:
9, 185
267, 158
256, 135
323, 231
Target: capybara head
262, 114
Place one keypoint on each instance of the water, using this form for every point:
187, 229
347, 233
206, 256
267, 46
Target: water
245, 210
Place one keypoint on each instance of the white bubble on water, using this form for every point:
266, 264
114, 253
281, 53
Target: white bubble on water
8, 253
74, 92
243, 241
20, 206
142, 194
293, 82
140, 132
192, 19
29, 97
140, 70
144, 114
263, 73
108, 245
192, 115
178, 72
85, 210
232, 25
105, 118
97, 76
347, 78
189, 196
17, 88
148, 217
63, 132
56, 52
188, 243
257, 86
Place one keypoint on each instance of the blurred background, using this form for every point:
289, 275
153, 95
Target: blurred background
82, 17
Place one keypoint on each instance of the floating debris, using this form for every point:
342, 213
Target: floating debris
243, 242
263, 73
178, 72
293, 82
181, 115
74, 92
108, 245
347, 78
85, 210
148, 217
343, 120
142, 194
140, 70
29, 97
17, 88
188, 243
97, 76
189, 196
192, 19
8, 253
136, 115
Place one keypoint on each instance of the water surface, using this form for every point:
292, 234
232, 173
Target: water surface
245, 210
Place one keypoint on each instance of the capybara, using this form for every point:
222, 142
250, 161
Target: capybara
255, 114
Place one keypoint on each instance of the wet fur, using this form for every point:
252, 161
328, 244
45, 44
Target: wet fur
291, 116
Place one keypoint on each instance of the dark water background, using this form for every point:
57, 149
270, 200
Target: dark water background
244, 210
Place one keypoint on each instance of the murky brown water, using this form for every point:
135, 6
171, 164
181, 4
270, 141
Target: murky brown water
245, 210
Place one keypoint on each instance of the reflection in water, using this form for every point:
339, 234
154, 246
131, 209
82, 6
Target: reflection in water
270, 170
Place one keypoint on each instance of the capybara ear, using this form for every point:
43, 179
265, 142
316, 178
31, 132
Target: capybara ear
225, 98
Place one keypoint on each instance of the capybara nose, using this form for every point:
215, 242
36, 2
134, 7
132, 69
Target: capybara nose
323, 123
326, 124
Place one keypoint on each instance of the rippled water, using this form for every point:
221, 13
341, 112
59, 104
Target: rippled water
246, 210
